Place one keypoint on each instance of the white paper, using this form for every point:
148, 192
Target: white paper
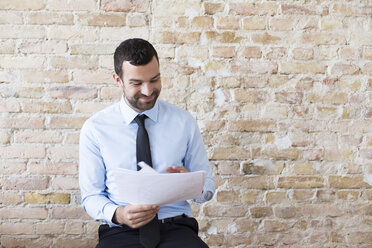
147, 186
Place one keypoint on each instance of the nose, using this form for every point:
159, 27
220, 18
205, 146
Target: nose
146, 89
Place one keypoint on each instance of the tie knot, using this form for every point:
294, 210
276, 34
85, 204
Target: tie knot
140, 119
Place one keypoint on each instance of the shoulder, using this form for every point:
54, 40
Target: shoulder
173, 110
103, 117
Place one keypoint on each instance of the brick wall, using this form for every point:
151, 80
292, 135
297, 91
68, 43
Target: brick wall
282, 92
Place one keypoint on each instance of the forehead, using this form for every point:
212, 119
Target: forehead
141, 72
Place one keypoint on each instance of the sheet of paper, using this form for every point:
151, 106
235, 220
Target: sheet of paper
150, 187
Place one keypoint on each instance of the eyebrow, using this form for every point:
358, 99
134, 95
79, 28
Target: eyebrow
137, 80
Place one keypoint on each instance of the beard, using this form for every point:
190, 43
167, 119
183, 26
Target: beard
137, 104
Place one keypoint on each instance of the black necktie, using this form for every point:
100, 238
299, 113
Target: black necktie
149, 233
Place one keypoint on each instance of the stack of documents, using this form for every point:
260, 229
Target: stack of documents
147, 186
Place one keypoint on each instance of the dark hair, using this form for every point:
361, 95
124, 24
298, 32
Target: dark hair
135, 51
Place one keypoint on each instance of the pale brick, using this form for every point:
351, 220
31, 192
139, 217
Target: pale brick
22, 122
22, 183
274, 226
7, 47
30, 92
274, 111
347, 182
254, 23
227, 211
12, 167
228, 22
122, 33
276, 52
252, 126
52, 198
204, 22
266, 39
252, 182
72, 92
323, 38
344, 69
331, 24
28, 136
63, 152
102, 19
46, 107
52, 168
10, 198
285, 212
366, 153
260, 212
47, 76
170, 8
300, 182
72, 138
67, 122
283, 154
224, 37
224, 52
249, 197
9, 105
92, 77
90, 107
74, 228
312, 154
253, 96
22, 62
49, 228
253, 8
281, 24
302, 195
43, 47
303, 53
196, 52
254, 67
276, 197
46, 18
367, 69
22, 32
227, 196
360, 237
301, 68
64, 183
88, 5
74, 62
252, 52
16, 228
22, 5
23, 213
137, 20
304, 168
211, 8
72, 33
11, 18
22, 152
289, 97
69, 213
125, 6
289, 9
235, 153
92, 49
177, 38
348, 195
4, 137
111, 93
367, 53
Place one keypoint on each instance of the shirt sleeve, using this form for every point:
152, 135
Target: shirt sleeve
196, 159
92, 176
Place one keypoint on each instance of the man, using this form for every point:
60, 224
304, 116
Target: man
112, 138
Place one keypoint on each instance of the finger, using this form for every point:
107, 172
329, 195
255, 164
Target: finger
142, 221
142, 208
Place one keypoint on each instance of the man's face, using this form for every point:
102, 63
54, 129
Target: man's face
141, 84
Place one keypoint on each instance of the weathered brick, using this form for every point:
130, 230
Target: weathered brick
43, 47
253, 8
285, 212
49, 228
347, 182
228, 22
74, 62
252, 182
22, 152
125, 6
9, 198
30, 92
230, 211
16, 228
266, 38
281, 24
224, 52
88, 5
281, 154
323, 39
300, 182
303, 53
274, 225
344, 69
52, 168
45, 18
92, 49
52, 198
227, 196
27, 136
211, 8
9, 105
72, 33
22, 32
254, 23
10, 18
66, 122
46, 107
12, 167
22, 122
111, 93
63, 152
204, 22
64, 183
23, 5
291, 9
276, 197
47, 76
261, 212
69, 213
301, 68
22, 183
254, 67
18, 62
73, 92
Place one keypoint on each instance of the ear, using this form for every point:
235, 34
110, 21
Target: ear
117, 79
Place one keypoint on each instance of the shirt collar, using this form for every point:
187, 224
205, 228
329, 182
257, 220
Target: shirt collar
129, 114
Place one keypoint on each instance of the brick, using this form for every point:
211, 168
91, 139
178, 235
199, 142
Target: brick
312, 154
211, 8
138, 20
28, 136
347, 182
92, 49
366, 153
281, 24
303, 53
66, 122
46, 107
262, 167
273, 226
300, 182
22, 32
282, 154
177, 38
30, 92
273, 111
323, 39
253, 96
111, 93
304, 168
74, 62
348, 195
227, 196
92, 77
12, 167
7, 47
266, 39
47, 18
22, 152
196, 52
252, 182
102, 19
65, 183
227, 211
367, 53
88, 5
252, 52
328, 53
49, 228
52, 168
249, 197
301, 68
125, 6
331, 24
16, 228
46, 76
254, 67
344, 69
254, 23
253, 9
43, 47
367, 69
349, 10
90, 107
4, 137
276, 52
122, 33
349, 53
74, 228
18, 62
9, 105
285, 212
69, 213
252, 126
73, 92
11, 18
22, 183
235, 153
23, 5
65, 152
234, 240
260, 212
359, 237
224, 52
276, 197
171, 8
224, 37
52, 198
228, 22
351, 140
80, 242
289, 97
289, 9
72, 138
10, 198
301, 195
203, 22
72, 33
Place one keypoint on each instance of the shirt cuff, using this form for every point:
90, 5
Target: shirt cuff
108, 212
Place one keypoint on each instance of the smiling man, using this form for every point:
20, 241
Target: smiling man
140, 128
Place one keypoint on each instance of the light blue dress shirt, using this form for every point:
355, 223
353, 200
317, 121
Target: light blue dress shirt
108, 141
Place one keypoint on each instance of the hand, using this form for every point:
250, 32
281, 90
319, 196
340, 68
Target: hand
135, 216
176, 169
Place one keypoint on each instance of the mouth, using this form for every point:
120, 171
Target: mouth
147, 99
